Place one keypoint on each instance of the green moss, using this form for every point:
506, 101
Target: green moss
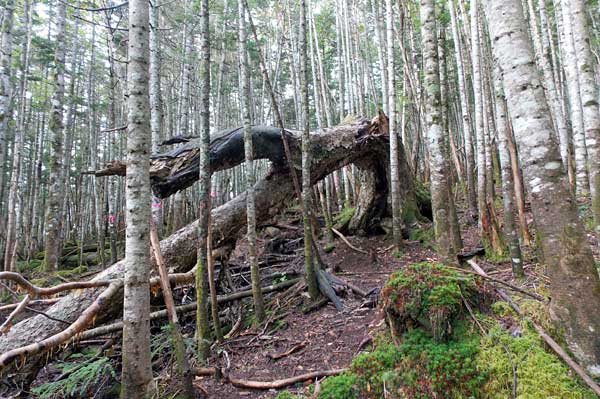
442, 370
398, 254
418, 368
343, 218
72, 272
329, 247
341, 386
428, 295
27, 267
539, 374
425, 236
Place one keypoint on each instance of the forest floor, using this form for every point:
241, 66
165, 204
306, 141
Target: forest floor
294, 341
325, 338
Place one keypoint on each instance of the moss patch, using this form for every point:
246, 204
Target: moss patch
425, 236
540, 374
342, 219
427, 295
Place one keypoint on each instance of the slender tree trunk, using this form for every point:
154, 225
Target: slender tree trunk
466, 115
508, 192
588, 90
566, 253
311, 273
6, 49
155, 104
202, 329
55, 189
137, 369
396, 196
569, 58
259, 306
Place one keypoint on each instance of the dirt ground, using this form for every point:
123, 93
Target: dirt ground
326, 338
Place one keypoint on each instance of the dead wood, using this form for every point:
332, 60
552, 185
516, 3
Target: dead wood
286, 382
176, 170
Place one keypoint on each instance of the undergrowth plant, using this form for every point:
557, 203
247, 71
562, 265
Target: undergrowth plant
81, 379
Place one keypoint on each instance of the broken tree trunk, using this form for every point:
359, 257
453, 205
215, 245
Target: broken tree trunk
332, 149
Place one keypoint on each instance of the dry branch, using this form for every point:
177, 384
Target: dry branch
35, 291
286, 382
343, 237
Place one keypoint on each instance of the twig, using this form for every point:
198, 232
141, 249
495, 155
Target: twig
190, 307
31, 303
278, 384
362, 251
293, 349
36, 291
5, 327
481, 273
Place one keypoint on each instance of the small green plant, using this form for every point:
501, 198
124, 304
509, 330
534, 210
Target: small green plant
329, 247
286, 395
81, 379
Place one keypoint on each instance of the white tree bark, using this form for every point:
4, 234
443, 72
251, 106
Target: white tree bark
6, 49
155, 104
569, 59
441, 194
396, 195
55, 128
588, 90
574, 280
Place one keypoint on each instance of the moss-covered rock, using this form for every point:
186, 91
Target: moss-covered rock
427, 295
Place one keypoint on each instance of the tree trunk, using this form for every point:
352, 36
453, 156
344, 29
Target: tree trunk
55, 128
442, 201
203, 174
259, 306
136, 376
575, 285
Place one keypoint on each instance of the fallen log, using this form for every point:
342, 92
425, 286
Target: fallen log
332, 149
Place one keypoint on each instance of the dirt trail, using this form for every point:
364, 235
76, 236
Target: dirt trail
328, 339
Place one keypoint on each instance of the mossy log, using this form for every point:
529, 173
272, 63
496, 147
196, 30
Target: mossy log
332, 149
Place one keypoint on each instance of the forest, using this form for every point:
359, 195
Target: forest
324, 199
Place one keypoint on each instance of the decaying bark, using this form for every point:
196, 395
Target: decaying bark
359, 142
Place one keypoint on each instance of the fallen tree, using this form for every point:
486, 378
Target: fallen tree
362, 142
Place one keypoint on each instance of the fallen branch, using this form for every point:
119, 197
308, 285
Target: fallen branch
293, 349
286, 382
190, 307
35, 291
85, 319
481, 273
327, 290
5, 327
547, 338
362, 251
